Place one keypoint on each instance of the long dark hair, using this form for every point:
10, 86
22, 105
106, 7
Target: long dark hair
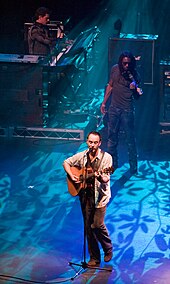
127, 54
132, 65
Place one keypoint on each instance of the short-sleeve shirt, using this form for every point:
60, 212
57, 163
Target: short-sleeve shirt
122, 95
101, 190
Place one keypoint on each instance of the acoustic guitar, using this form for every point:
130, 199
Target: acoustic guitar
84, 174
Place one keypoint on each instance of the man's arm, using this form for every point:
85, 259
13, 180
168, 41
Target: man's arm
36, 34
134, 85
67, 168
106, 97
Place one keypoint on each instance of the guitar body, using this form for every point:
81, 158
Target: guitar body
74, 188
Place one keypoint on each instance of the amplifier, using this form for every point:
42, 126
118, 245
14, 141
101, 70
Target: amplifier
21, 93
142, 49
165, 91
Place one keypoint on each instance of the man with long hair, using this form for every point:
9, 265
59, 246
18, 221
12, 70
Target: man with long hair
122, 89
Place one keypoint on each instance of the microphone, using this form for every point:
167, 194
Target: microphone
131, 77
139, 90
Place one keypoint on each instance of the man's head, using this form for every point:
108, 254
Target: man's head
93, 141
126, 62
42, 15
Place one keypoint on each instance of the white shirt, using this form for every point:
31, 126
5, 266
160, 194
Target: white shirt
102, 190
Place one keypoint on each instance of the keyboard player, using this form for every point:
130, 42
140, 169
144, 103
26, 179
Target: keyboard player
39, 40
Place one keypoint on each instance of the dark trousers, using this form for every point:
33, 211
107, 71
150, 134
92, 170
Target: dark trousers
94, 226
117, 118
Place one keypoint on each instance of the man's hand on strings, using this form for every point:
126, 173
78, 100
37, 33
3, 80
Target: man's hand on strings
75, 178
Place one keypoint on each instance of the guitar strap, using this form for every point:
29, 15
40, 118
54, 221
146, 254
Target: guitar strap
94, 166
99, 161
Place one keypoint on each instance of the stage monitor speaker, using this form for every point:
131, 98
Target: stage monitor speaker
142, 49
21, 94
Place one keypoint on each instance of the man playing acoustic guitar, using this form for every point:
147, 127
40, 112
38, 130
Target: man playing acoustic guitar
88, 175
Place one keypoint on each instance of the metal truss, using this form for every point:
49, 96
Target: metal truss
45, 133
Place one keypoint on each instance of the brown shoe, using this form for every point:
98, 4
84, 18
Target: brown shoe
108, 257
93, 262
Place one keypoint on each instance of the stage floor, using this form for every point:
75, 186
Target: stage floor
41, 223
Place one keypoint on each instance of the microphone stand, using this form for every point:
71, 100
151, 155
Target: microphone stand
84, 265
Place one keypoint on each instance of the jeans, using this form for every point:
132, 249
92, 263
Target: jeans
124, 118
94, 226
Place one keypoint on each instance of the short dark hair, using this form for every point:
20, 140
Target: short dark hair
41, 11
94, 133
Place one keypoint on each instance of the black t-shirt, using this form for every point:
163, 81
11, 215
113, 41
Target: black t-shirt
122, 96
